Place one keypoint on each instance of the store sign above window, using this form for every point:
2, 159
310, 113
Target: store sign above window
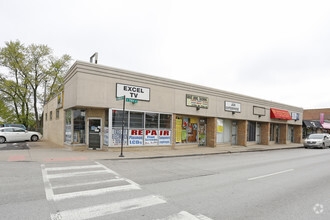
133, 92
295, 116
232, 106
280, 114
197, 101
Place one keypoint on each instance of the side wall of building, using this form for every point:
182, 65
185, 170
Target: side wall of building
53, 127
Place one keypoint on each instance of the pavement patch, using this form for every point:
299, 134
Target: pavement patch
16, 158
65, 159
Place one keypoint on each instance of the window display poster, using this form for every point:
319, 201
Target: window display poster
135, 137
116, 137
178, 130
184, 135
106, 136
185, 122
164, 137
220, 125
193, 120
150, 137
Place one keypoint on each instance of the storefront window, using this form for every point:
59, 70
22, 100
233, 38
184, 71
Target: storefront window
142, 128
251, 131
223, 131
78, 127
106, 128
272, 133
68, 127
165, 121
186, 129
117, 119
136, 120
151, 120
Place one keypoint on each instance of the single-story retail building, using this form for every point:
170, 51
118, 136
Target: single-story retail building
160, 112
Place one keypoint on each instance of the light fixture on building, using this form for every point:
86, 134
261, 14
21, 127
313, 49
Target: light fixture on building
198, 107
95, 56
233, 113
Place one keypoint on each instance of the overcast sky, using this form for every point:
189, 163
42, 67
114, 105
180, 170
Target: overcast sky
274, 50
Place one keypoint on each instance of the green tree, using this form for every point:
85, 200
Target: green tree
28, 68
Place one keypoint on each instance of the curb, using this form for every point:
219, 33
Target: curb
201, 154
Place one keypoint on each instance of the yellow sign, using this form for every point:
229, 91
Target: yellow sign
178, 130
220, 129
193, 120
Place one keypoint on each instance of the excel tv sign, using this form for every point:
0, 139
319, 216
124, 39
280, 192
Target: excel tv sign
133, 92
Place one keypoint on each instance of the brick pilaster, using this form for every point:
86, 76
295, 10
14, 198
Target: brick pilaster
265, 133
297, 134
173, 130
283, 133
211, 132
242, 133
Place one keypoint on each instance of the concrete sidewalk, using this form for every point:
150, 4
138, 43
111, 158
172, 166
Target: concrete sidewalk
44, 151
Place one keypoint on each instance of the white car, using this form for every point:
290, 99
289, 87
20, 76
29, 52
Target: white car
317, 140
9, 134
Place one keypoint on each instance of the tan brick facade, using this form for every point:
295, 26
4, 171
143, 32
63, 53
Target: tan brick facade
297, 134
265, 133
211, 136
314, 114
283, 133
242, 133
173, 131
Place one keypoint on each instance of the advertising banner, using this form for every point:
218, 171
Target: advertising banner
135, 137
322, 118
106, 136
116, 137
219, 125
151, 137
178, 129
164, 137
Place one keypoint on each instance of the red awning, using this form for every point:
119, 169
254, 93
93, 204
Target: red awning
280, 114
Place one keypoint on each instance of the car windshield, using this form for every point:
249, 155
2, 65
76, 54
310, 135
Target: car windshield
316, 136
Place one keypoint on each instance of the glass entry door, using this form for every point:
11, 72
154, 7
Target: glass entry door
202, 132
94, 133
234, 133
258, 133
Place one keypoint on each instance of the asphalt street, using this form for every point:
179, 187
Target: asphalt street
282, 184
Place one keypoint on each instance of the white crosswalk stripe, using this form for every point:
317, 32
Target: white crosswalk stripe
70, 183
108, 209
183, 215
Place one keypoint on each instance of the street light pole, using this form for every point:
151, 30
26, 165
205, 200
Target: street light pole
122, 129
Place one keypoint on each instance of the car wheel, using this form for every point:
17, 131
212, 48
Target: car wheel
2, 140
34, 138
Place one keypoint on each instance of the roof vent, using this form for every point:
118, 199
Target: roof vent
95, 56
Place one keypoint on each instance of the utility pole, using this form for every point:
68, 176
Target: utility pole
122, 129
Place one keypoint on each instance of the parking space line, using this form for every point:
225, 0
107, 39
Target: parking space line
271, 174
111, 208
